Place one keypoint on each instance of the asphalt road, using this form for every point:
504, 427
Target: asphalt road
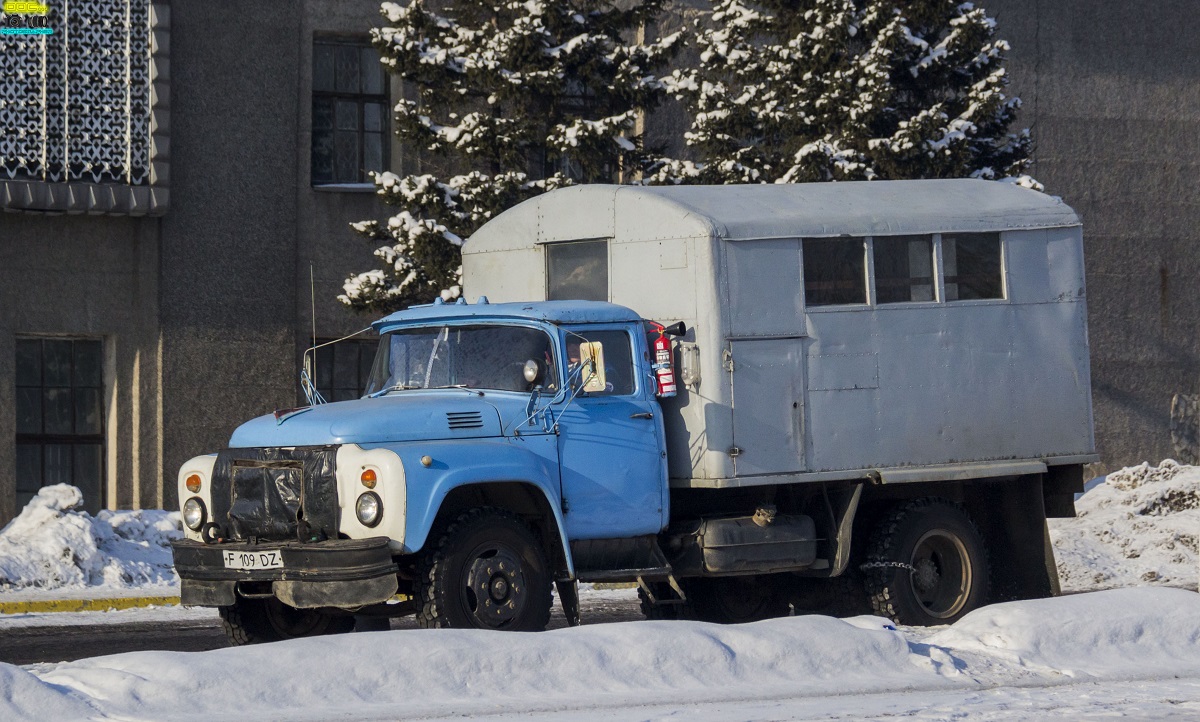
29, 645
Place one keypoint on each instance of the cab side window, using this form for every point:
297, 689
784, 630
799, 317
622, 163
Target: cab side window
618, 360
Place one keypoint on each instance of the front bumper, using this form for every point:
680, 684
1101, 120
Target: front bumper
335, 573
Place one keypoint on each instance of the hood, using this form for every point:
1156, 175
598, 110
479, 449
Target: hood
400, 416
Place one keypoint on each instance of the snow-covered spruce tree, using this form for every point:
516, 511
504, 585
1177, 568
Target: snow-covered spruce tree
815, 90
511, 99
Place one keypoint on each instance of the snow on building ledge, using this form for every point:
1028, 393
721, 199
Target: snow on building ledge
85, 111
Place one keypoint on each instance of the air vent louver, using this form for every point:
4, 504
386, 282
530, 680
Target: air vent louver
464, 419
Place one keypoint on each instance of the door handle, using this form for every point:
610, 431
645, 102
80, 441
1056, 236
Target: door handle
642, 415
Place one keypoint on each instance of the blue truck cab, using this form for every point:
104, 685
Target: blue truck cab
861, 397
477, 419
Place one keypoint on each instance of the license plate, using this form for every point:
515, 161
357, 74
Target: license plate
253, 560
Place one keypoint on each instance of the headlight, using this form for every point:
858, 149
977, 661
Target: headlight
369, 509
193, 514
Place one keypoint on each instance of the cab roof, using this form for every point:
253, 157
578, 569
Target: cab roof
556, 312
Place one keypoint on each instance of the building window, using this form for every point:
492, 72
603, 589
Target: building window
834, 271
577, 271
903, 269
342, 370
349, 112
972, 266
60, 417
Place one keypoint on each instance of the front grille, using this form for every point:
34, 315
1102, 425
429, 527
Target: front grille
276, 494
464, 419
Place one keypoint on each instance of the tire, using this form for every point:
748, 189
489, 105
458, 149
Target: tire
721, 600
254, 621
927, 564
487, 571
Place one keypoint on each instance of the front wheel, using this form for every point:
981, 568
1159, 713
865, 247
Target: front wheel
487, 571
252, 621
927, 564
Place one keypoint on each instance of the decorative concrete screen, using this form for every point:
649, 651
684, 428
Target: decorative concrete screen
83, 107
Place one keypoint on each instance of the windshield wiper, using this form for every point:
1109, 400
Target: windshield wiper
393, 387
464, 387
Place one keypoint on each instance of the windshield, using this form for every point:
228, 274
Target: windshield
503, 358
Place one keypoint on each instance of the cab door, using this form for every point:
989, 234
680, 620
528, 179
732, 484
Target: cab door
611, 442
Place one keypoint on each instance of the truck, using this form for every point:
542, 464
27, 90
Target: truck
750, 401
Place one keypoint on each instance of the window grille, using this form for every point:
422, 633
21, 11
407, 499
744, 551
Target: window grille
78, 107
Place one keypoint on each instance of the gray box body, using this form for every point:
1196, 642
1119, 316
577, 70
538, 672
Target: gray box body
915, 391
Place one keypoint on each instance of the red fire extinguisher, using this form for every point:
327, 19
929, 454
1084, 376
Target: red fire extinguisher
664, 369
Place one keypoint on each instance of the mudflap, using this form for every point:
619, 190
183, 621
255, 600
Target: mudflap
568, 597
1011, 516
311, 595
205, 593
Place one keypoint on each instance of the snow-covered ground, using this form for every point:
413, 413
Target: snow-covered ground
1139, 525
1124, 652
1104, 652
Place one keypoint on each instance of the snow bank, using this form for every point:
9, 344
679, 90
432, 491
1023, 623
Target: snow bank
25, 697
1143, 632
1140, 526
1114, 635
54, 544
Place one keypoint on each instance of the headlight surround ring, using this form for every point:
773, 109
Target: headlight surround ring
194, 513
369, 509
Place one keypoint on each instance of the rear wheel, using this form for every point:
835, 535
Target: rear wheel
252, 621
927, 564
487, 571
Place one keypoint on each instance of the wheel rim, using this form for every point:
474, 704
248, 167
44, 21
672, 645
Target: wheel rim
942, 574
494, 582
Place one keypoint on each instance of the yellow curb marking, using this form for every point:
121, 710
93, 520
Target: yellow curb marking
84, 605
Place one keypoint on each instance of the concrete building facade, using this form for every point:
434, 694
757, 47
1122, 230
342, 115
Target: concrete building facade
1111, 91
201, 304
186, 270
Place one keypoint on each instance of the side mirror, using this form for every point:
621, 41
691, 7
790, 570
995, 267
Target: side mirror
591, 359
